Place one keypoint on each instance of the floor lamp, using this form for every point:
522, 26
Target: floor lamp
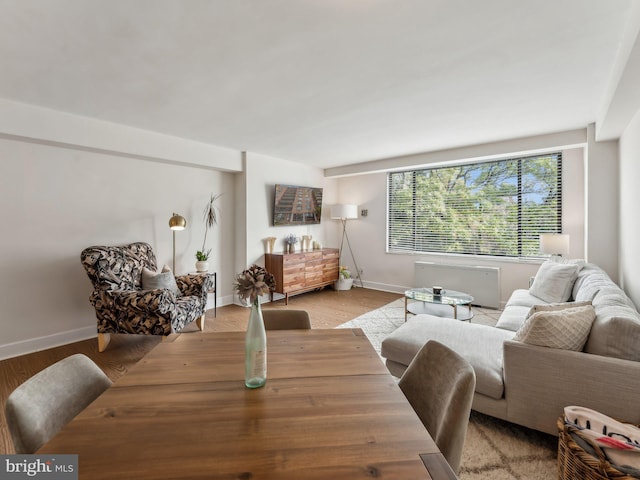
176, 222
344, 213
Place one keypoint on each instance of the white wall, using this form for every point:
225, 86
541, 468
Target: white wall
619, 117
57, 200
629, 198
256, 188
602, 181
394, 272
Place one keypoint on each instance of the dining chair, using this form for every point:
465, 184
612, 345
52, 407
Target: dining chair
47, 401
439, 385
277, 319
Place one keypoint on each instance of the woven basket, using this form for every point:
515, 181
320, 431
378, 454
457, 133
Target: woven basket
574, 463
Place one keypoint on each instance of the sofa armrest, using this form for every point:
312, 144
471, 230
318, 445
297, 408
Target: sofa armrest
541, 381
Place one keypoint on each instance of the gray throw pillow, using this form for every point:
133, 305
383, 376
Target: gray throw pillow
554, 281
165, 279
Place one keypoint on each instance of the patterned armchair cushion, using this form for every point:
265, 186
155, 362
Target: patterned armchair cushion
118, 268
121, 304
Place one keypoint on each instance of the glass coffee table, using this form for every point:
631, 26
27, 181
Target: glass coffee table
443, 305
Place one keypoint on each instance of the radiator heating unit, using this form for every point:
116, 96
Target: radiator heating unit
482, 283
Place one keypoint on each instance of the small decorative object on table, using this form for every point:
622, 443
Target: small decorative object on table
250, 285
345, 281
270, 243
306, 242
291, 240
436, 290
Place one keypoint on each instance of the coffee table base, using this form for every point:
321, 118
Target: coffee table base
462, 313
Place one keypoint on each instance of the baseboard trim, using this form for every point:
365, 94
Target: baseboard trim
32, 345
384, 287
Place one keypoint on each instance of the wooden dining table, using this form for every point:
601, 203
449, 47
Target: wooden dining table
329, 410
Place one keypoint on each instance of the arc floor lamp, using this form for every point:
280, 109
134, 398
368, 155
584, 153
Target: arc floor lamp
344, 212
176, 222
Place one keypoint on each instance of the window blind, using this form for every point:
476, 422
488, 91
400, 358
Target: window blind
496, 208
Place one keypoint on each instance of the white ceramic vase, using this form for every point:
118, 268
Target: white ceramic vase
202, 266
344, 284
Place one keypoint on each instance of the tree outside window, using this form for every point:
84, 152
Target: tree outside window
496, 208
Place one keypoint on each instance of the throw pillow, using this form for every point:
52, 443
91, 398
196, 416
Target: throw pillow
165, 279
554, 307
554, 281
566, 329
581, 263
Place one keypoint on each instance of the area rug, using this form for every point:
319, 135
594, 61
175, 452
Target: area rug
494, 449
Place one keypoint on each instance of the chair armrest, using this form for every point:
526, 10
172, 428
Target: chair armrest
541, 381
151, 301
195, 284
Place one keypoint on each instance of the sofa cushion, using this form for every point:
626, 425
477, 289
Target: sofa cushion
611, 296
615, 332
584, 273
523, 298
567, 328
591, 285
513, 317
480, 345
554, 281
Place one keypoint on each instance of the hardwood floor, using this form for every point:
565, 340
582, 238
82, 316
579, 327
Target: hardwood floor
327, 308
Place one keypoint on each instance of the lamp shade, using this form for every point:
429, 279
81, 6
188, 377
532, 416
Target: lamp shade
554, 244
177, 222
346, 211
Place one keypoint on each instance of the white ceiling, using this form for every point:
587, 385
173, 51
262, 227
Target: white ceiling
324, 82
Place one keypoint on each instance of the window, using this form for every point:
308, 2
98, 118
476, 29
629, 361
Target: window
494, 208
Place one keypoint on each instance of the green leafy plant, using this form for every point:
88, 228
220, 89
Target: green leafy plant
203, 256
210, 218
344, 272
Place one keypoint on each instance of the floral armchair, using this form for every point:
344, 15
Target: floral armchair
122, 306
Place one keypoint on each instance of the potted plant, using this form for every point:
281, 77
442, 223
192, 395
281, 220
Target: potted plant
210, 217
345, 281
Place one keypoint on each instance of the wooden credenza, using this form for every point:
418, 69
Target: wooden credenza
303, 271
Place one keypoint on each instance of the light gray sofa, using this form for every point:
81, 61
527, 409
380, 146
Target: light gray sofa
531, 384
